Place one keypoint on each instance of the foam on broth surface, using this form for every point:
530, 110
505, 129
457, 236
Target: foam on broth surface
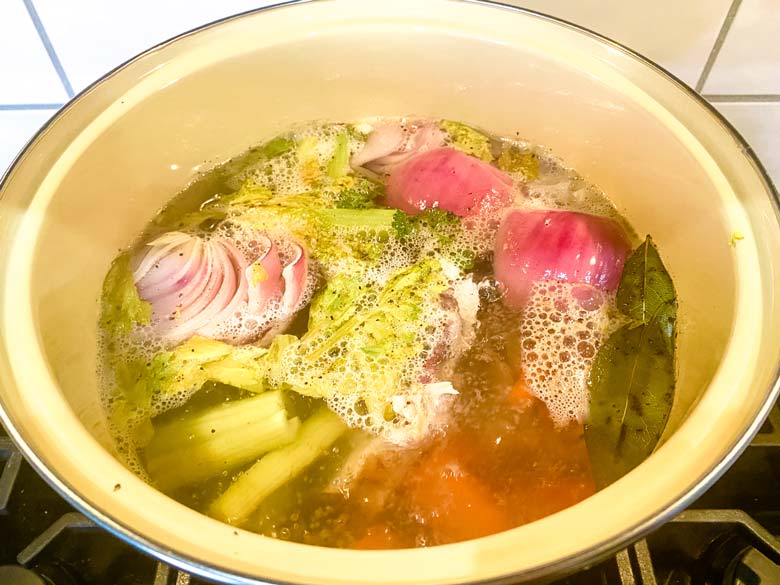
494, 456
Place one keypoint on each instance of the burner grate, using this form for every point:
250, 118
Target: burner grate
13, 462
769, 435
635, 565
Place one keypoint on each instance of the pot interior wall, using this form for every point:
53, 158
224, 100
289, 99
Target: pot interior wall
106, 164
153, 149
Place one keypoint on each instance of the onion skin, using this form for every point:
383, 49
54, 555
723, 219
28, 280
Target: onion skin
448, 179
566, 246
393, 143
196, 285
294, 276
264, 274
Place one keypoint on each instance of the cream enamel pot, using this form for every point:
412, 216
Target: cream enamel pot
95, 174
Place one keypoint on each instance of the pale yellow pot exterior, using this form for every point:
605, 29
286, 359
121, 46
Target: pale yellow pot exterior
89, 182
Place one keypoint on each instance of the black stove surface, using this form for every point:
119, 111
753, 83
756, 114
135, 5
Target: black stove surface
731, 535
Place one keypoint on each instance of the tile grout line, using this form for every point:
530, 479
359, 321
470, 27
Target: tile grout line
23, 107
55, 61
721, 38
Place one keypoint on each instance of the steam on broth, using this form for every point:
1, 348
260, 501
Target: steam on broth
387, 334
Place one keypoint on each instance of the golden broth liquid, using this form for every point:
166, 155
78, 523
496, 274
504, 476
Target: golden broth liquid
499, 461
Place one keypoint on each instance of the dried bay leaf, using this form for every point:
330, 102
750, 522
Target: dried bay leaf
632, 385
632, 378
646, 292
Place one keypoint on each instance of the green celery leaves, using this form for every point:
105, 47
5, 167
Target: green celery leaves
516, 160
122, 308
468, 140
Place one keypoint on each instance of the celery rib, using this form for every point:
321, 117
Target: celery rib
230, 435
357, 218
224, 417
339, 164
244, 374
278, 467
231, 449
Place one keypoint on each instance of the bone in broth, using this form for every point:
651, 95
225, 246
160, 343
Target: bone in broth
385, 334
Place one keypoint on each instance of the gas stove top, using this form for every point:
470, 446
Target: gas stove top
731, 535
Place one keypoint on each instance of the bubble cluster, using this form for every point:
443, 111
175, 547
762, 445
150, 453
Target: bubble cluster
390, 391
124, 420
562, 329
474, 240
291, 172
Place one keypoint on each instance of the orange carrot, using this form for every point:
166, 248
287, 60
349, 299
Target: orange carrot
452, 501
554, 474
536, 497
520, 396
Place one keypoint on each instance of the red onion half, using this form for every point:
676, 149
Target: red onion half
211, 287
451, 180
567, 246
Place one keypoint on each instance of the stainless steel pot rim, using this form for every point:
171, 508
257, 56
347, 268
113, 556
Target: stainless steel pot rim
564, 566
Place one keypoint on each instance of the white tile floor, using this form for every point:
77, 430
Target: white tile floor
50, 49
25, 67
759, 123
749, 61
681, 44
120, 30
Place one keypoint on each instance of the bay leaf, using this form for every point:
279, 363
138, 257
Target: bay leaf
632, 378
631, 383
646, 292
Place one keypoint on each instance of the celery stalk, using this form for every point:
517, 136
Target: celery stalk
339, 164
201, 446
232, 448
243, 497
357, 218
241, 373
215, 421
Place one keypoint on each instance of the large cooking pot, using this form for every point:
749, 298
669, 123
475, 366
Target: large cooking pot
92, 178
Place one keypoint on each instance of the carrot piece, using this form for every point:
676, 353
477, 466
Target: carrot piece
520, 396
539, 497
454, 503
553, 472
380, 537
